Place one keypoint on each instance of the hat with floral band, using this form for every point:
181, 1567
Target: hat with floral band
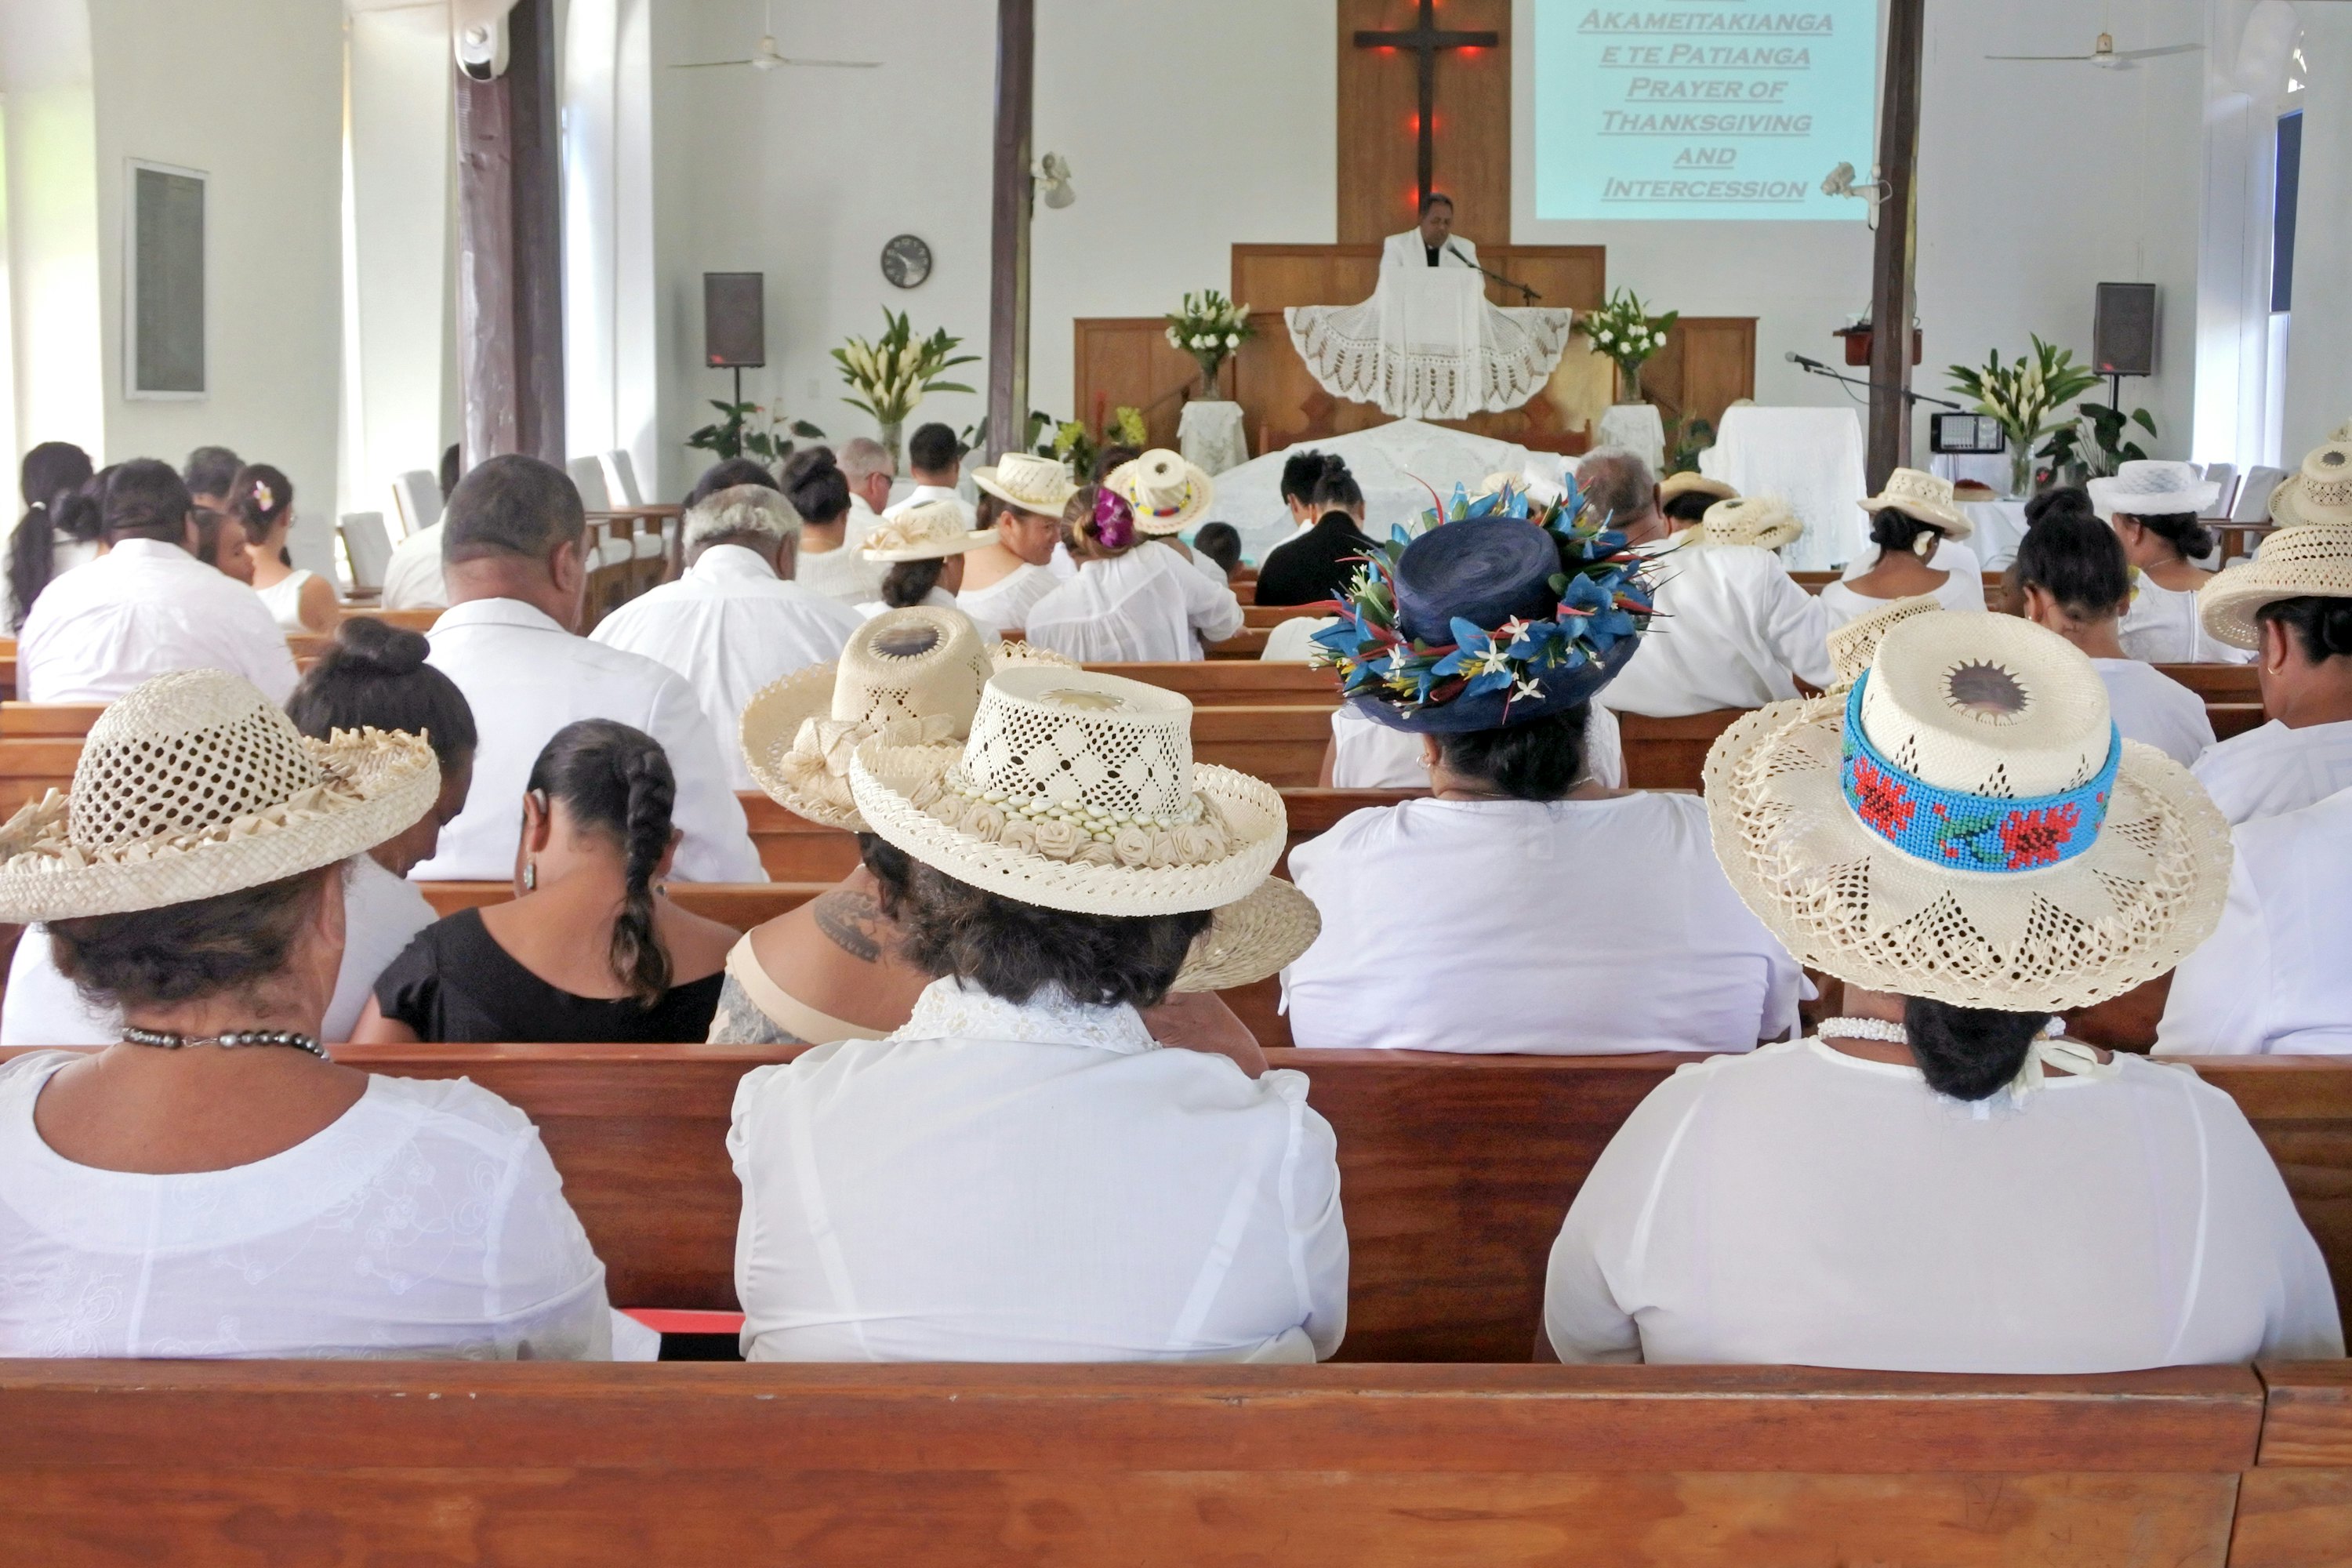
1966, 825
1763, 521
195, 784
931, 532
1492, 617
1031, 483
1922, 497
1169, 494
1078, 792
2310, 561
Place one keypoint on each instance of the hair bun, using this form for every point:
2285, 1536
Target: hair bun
374, 643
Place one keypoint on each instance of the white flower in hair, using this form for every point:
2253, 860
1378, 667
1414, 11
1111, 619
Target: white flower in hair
262, 497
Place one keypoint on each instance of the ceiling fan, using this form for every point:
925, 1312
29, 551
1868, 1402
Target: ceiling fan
2103, 54
766, 58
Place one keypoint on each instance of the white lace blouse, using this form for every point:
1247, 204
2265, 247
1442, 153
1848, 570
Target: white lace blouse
426, 1221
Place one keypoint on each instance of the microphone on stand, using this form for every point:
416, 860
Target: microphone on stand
1512, 283
1793, 357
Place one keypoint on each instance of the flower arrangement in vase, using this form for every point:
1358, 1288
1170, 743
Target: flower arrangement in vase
2022, 397
1209, 327
891, 374
1625, 331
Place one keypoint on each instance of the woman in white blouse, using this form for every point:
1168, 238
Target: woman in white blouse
922, 552
1022, 497
1936, 1183
1518, 847
1020, 1173
1916, 532
212, 1184
1131, 600
2069, 568
300, 599
2154, 508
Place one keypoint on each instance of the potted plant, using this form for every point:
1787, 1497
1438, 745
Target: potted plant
748, 429
1209, 327
891, 374
2095, 443
1628, 334
2022, 397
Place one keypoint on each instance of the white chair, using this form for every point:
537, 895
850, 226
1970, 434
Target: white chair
621, 477
367, 549
588, 477
2253, 503
2226, 476
416, 500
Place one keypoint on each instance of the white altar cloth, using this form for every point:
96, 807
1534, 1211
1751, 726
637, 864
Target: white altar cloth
1810, 457
2000, 528
1637, 427
1398, 464
1427, 345
1211, 435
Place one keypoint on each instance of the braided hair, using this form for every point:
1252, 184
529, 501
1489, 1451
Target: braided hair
618, 780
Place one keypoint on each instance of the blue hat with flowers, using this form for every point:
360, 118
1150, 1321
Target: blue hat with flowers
1489, 616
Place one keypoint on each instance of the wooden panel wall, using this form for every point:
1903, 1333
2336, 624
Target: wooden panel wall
1708, 363
1379, 143
1127, 360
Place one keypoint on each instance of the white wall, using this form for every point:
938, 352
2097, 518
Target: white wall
58, 392
2319, 352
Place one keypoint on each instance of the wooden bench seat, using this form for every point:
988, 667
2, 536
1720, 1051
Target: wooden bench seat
521, 1465
1225, 683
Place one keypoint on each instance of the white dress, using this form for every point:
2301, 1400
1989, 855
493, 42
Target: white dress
426, 1221
1961, 591
2162, 628
2273, 769
841, 574
1368, 754
1802, 1205
284, 599
2273, 979
2150, 707
1034, 1183
381, 914
1732, 626
1565, 928
1003, 605
1147, 605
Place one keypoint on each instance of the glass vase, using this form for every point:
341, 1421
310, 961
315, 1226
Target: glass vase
2020, 466
890, 432
1629, 383
1211, 392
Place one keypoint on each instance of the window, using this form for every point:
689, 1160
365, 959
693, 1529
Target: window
163, 292
2284, 193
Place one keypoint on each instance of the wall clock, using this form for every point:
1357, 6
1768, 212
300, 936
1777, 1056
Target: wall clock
907, 261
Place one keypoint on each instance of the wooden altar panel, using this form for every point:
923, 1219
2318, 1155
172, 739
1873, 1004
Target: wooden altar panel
1708, 363
1127, 360
1379, 96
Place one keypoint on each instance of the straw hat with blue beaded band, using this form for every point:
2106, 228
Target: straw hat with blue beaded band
1965, 825
1169, 494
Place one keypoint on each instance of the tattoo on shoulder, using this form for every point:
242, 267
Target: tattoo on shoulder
853, 920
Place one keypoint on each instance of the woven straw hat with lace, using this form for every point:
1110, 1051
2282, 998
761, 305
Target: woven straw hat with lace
1031, 483
1853, 645
1674, 487
1078, 792
1763, 521
1923, 497
2320, 494
1167, 493
1965, 825
195, 784
931, 532
2311, 560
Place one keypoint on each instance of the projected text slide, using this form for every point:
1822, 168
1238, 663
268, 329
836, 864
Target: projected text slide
1701, 109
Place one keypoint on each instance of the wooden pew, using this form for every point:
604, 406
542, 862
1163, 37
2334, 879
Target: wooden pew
2217, 683
1671, 753
525, 1464
2294, 1507
1247, 643
1231, 683
1266, 618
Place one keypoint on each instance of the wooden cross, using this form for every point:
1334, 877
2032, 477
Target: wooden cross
1425, 39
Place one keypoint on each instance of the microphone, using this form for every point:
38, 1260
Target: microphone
1793, 357
1452, 251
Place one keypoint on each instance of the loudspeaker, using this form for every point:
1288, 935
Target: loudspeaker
2123, 330
734, 320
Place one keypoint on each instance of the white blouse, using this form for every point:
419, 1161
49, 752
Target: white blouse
937, 599
1802, 1205
843, 574
2152, 708
283, 599
1038, 1183
1147, 605
2272, 980
1003, 605
1732, 627
426, 1221
2162, 628
1959, 591
1559, 928
2273, 769
1368, 754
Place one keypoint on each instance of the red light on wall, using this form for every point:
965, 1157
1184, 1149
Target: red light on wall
1412, 124
1466, 50
1411, 197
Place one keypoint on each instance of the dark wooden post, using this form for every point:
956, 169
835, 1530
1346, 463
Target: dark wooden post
1890, 303
511, 247
1008, 250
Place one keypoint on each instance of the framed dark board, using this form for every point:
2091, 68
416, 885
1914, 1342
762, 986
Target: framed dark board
163, 282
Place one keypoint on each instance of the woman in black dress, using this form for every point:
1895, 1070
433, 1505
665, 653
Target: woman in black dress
590, 950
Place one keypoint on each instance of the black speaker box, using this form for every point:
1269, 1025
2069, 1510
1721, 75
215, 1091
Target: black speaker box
735, 319
2123, 330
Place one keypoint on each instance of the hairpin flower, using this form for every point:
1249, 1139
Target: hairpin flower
263, 500
1114, 519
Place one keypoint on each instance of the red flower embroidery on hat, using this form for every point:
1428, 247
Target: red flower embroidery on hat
1882, 802
2036, 838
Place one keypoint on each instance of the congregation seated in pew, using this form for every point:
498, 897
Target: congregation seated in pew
299, 600
1319, 562
1022, 497
827, 551
1905, 1190
591, 949
2155, 508
412, 577
1134, 598
1020, 1173
210, 1184
1916, 532
1571, 917
60, 527
922, 550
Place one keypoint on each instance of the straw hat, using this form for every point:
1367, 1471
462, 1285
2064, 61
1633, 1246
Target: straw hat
739, 509
1078, 792
931, 532
1967, 826
1169, 494
1925, 496
193, 785
2320, 494
2313, 561
1691, 482
2153, 489
1853, 645
1030, 482
1764, 521
1004, 656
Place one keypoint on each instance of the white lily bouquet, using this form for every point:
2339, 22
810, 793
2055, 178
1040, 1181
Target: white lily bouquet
1209, 327
2022, 398
1625, 331
892, 373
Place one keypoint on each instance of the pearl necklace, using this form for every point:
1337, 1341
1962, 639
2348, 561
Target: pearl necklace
169, 1042
1863, 1029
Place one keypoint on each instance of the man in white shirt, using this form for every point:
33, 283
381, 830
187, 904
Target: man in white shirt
1434, 243
147, 606
513, 541
412, 577
1732, 626
2304, 754
735, 622
869, 468
934, 456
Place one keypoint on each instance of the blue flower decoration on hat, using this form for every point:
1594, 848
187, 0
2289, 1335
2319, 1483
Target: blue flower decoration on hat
1488, 615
